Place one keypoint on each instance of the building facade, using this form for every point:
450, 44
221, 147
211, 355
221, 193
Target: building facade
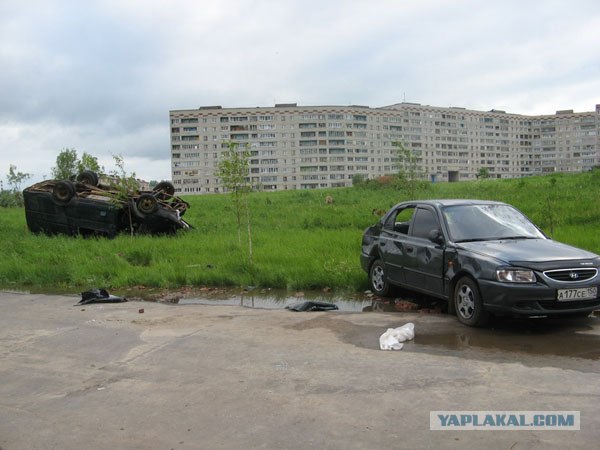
311, 147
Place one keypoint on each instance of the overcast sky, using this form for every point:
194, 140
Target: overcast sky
101, 76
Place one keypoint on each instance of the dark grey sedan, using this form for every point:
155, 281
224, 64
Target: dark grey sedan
483, 257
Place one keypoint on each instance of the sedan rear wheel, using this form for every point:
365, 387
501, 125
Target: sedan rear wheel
378, 279
467, 303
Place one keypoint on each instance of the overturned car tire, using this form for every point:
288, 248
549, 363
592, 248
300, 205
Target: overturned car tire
166, 187
147, 204
88, 177
63, 192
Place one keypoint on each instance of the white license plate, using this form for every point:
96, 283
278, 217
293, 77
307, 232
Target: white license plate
566, 295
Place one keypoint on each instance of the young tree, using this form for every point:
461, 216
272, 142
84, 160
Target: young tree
89, 162
13, 196
233, 172
409, 171
16, 178
123, 184
68, 165
551, 202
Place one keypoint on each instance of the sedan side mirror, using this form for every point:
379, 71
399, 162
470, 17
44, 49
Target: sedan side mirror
436, 237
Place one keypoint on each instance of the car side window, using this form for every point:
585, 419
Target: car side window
424, 222
400, 221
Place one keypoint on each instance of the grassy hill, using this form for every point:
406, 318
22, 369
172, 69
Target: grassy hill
299, 241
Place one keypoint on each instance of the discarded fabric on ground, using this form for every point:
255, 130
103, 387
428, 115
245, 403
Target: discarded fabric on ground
312, 306
99, 296
392, 338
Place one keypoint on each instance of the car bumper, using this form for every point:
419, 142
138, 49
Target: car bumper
532, 300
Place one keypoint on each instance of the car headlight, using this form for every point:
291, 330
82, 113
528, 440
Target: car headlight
515, 275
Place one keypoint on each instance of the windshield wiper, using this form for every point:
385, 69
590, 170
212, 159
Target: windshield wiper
475, 240
502, 238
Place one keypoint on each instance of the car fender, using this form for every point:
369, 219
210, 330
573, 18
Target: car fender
461, 262
369, 247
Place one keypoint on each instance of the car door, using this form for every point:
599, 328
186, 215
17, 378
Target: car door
424, 258
392, 241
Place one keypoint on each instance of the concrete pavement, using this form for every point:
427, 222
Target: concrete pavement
192, 377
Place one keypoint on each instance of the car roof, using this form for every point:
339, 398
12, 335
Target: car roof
451, 202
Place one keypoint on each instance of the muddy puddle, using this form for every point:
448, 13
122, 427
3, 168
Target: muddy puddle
528, 341
575, 338
279, 300
568, 344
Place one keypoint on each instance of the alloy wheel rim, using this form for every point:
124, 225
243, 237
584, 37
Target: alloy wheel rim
378, 282
466, 302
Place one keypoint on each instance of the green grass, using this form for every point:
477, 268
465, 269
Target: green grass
299, 241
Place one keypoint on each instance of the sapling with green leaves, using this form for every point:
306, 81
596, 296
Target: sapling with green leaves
233, 171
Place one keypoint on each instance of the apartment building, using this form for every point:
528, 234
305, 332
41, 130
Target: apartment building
311, 147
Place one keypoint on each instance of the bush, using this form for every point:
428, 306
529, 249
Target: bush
382, 182
358, 179
11, 199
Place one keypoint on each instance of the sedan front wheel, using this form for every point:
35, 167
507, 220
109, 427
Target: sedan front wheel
467, 303
378, 279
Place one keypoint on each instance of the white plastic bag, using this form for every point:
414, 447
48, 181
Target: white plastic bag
392, 338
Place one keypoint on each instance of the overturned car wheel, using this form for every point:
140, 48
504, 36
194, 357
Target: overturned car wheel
147, 204
88, 177
166, 187
63, 192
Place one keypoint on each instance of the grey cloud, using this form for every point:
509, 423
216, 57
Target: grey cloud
101, 76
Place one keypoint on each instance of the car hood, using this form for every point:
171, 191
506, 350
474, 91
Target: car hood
523, 251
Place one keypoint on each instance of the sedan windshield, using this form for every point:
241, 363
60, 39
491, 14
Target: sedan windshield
487, 223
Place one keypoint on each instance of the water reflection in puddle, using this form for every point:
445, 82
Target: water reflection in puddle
521, 340
277, 300
570, 344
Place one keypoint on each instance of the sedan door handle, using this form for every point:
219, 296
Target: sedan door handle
409, 249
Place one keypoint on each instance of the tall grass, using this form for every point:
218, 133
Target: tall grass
300, 241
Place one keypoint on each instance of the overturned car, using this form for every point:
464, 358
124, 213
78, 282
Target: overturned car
90, 207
